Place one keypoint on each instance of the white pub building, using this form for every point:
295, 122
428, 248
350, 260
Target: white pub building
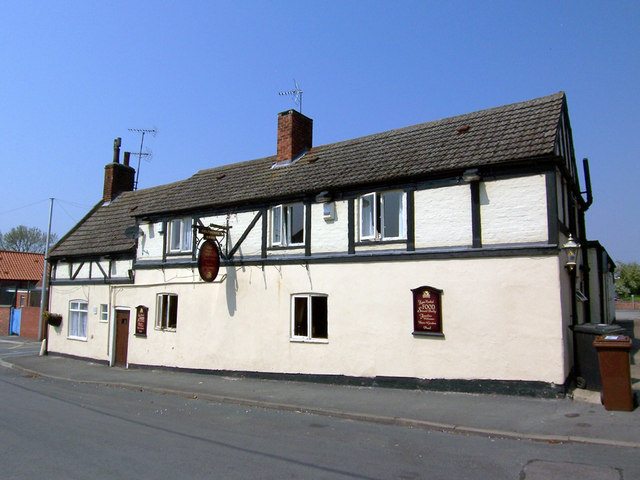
449, 255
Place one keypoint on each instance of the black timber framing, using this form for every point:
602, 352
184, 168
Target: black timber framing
235, 248
85, 281
104, 274
411, 221
75, 274
552, 207
476, 222
307, 229
376, 256
265, 228
351, 229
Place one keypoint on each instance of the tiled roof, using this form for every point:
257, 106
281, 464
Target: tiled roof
502, 135
21, 266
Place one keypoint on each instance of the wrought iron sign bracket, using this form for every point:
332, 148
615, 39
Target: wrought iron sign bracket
212, 232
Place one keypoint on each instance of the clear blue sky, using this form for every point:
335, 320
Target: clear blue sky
206, 74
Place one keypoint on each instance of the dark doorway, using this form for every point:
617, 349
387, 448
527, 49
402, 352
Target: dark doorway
122, 337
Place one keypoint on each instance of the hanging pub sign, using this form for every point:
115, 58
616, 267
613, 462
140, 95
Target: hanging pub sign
427, 311
141, 320
209, 261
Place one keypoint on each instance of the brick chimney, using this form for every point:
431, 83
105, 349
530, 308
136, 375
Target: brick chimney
118, 177
295, 132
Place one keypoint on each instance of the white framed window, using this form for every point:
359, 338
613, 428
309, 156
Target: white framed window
167, 311
309, 317
382, 216
180, 235
287, 225
78, 310
104, 312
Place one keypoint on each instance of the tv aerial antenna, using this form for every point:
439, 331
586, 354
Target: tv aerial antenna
142, 131
296, 95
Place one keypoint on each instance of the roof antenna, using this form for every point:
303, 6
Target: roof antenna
296, 95
140, 155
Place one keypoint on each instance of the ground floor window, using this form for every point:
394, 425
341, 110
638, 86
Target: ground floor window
167, 311
104, 312
78, 319
309, 317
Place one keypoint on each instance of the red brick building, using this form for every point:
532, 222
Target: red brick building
20, 282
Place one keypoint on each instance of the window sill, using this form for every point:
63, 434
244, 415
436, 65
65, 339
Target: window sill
77, 339
392, 241
295, 246
165, 329
309, 340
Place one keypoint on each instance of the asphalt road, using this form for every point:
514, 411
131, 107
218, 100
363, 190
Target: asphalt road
62, 430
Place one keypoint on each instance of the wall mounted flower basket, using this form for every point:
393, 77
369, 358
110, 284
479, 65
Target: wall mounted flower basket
53, 319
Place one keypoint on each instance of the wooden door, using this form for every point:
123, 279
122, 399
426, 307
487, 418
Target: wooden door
122, 337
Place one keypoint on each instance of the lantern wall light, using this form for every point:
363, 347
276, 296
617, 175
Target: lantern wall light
571, 247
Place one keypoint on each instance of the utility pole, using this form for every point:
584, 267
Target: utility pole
44, 295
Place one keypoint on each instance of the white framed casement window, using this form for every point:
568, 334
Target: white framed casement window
180, 234
78, 310
167, 311
287, 225
309, 320
382, 216
104, 312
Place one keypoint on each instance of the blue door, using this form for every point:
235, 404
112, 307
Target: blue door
14, 321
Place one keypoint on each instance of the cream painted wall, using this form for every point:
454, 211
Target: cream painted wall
514, 210
97, 342
443, 217
496, 325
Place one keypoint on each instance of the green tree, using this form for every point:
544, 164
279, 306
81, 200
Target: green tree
627, 279
25, 239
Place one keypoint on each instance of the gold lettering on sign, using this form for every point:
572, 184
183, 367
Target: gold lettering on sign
427, 315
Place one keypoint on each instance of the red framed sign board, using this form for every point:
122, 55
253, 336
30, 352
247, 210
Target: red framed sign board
427, 311
209, 261
141, 320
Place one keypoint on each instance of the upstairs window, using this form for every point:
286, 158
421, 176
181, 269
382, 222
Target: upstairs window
382, 216
287, 225
180, 235
309, 317
167, 311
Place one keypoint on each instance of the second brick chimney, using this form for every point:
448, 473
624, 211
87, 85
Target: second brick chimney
295, 132
118, 177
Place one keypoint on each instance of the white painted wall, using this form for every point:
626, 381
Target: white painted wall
151, 241
496, 325
514, 210
443, 217
329, 235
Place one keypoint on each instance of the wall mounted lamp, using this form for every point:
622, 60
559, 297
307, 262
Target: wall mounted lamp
571, 247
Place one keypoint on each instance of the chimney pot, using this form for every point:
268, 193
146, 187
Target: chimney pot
116, 149
127, 155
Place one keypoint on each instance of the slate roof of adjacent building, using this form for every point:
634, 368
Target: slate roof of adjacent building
513, 133
21, 266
